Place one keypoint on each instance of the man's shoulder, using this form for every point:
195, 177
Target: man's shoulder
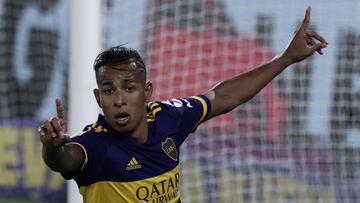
159, 109
167, 114
95, 128
90, 131
178, 105
173, 104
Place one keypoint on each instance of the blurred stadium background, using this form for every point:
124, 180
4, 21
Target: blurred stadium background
297, 141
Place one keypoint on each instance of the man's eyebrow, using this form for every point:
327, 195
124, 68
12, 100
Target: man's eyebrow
129, 80
104, 83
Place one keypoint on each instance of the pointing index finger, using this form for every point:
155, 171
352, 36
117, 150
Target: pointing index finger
60, 108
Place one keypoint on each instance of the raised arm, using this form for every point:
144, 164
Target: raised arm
58, 154
230, 93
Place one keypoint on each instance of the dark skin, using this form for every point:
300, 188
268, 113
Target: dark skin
123, 93
57, 154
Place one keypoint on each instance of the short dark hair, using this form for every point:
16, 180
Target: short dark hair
118, 55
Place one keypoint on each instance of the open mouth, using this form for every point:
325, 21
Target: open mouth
122, 118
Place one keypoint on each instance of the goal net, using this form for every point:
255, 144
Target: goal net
33, 72
296, 141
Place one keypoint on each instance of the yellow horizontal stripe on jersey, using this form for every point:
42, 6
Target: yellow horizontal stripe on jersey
162, 188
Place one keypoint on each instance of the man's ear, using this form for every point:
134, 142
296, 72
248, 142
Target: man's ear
97, 96
148, 91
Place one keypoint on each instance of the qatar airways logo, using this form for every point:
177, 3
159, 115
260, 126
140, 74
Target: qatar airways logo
161, 191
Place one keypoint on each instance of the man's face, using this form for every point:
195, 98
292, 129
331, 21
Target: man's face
122, 95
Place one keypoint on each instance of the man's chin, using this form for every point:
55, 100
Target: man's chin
123, 130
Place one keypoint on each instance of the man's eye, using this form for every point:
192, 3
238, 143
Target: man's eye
130, 88
107, 91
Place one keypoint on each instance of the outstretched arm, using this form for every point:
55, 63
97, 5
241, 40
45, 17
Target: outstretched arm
58, 154
228, 94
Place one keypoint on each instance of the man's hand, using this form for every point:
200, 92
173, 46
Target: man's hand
53, 131
304, 42
59, 156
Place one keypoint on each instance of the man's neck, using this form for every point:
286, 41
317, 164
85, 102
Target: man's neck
140, 135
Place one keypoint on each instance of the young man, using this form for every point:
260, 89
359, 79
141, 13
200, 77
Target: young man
131, 154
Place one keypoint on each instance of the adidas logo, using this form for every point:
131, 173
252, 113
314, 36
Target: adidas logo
133, 164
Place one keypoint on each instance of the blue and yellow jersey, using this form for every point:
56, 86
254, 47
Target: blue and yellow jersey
117, 169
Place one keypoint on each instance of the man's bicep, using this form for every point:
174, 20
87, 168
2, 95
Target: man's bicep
76, 159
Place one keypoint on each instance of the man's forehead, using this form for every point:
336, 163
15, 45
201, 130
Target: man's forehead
114, 72
120, 72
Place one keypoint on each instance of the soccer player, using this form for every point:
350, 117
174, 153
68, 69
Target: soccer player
131, 153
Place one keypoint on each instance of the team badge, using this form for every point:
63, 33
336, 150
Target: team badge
169, 147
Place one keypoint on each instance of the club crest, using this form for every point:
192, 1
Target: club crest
169, 147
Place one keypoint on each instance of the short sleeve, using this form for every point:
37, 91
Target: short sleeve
89, 142
187, 113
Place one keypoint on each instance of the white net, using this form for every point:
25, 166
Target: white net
33, 72
299, 139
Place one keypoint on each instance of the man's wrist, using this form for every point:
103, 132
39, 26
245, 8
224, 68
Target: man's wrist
282, 60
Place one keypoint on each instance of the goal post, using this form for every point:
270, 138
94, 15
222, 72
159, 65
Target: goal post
85, 44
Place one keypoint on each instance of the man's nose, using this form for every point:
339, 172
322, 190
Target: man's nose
119, 99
